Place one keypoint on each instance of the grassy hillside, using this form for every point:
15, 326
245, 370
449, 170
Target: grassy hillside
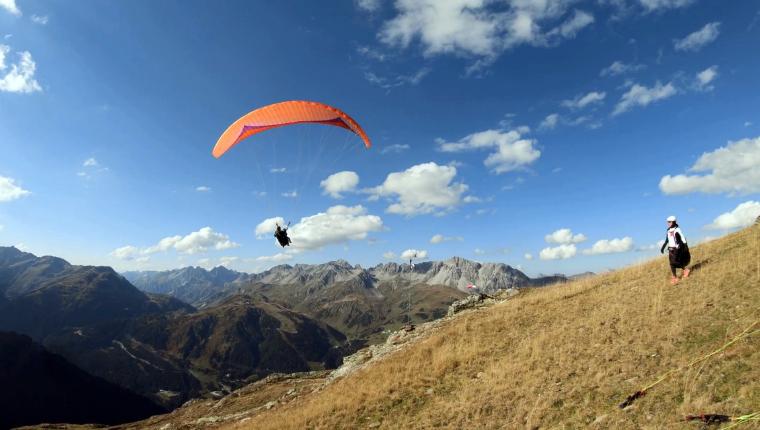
566, 356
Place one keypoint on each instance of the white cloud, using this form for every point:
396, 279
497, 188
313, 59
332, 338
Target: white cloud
706, 77
512, 152
196, 242
278, 170
620, 68
572, 26
700, 38
743, 215
91, 165
747, 123
127, 253
276, 258
395, 148
10, 191
371, 53
478, 251
511, 157
390, 255
528, 256
560, 252
290, 194
652, 5
338, 224
20, 77
610, 246
480, 140
564, 236
202, 240
397, 80
205, 263
10, 6
4, 50
584, 119
413, 254
421, 189
203, 189
39, 19
639, 95
481, 28
582, 101
228, 261
439, 238
163, 245
444, 26
368, 5
732, 169
268, 226
341, 182
549, 122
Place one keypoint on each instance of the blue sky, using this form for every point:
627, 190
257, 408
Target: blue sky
552, 135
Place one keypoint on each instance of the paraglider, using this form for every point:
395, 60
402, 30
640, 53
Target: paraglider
281, 234
280, 115
284, 114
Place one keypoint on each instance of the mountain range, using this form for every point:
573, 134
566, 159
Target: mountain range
194, 332
201, 287
362, 303
155, 345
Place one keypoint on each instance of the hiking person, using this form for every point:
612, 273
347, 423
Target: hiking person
678, 249
281, 234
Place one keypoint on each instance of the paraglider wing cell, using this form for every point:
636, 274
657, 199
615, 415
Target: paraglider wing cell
284, 114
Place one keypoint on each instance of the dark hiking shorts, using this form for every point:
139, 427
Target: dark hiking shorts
679, 257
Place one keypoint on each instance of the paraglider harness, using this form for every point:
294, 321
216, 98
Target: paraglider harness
281, 234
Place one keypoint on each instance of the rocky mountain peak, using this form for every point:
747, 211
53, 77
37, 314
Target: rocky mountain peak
343, 264
461, 262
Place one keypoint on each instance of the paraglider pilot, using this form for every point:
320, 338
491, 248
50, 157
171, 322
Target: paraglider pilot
281, 233
678, 249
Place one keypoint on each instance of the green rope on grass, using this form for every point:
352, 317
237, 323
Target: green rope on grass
743, 419
745, 333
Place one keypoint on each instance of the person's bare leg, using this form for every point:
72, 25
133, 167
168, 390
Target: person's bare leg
686, 272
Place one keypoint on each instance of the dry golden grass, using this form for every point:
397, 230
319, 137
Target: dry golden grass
565, 356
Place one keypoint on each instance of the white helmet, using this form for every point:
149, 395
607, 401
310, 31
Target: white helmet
671, 218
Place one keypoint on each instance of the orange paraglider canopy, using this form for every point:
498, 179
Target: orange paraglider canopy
283, 114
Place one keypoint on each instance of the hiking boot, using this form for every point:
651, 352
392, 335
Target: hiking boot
673, 280
686, 273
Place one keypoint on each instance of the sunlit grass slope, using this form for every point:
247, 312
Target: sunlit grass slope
566, 356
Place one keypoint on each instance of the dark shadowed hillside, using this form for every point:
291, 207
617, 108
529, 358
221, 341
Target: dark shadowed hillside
173, 358
37, 386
